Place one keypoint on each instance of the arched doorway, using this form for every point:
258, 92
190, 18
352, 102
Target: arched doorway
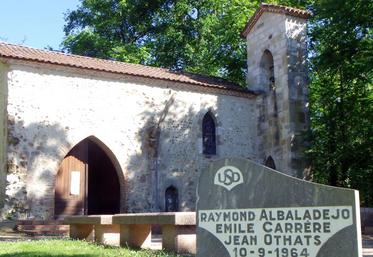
87, 182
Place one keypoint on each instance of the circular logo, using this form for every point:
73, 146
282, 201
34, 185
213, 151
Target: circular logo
228, 177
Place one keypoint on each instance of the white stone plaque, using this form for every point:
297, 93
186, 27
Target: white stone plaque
245, 209
275, 232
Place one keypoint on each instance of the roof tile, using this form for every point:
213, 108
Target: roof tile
274, 9
11, 51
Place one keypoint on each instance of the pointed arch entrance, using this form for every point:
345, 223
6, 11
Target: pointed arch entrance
87, 182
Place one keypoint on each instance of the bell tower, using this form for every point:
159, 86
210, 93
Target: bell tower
277, 70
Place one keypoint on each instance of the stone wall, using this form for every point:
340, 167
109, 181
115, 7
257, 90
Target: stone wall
277, 45
3, 102
152, 127
296, 33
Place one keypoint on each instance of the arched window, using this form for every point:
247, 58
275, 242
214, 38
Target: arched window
171, 199
267, 76
208, 135
270, 163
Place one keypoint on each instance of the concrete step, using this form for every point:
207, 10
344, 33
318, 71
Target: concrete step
367, 246
42, 228
56, 233
40, 222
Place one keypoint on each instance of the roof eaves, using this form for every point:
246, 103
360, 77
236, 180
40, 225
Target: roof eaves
274, 9
192, 82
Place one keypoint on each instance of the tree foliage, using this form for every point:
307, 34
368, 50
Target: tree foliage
201, 36
342, 95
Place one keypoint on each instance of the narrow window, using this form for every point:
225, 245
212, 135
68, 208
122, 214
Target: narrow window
270, 163
208, 135
171, 199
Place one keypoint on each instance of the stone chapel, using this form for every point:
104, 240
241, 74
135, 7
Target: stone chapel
81, 135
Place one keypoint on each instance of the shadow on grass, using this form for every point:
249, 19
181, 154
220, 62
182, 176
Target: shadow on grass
42, 254
74, 248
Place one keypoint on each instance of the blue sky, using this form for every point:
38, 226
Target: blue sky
35, 23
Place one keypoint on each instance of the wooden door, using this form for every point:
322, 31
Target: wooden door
71, 183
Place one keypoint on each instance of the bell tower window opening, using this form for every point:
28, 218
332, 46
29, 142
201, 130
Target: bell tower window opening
267, 71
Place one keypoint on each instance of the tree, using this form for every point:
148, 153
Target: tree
201, 36
342, 95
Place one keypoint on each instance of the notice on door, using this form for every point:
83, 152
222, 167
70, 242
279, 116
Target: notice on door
75, 183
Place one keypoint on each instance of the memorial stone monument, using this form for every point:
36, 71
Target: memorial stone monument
246, 209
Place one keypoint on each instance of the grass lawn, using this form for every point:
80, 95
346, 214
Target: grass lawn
64, 248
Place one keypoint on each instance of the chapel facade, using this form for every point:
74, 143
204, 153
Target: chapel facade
81, 135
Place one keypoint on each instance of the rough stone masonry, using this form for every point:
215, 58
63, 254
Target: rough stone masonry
149, 121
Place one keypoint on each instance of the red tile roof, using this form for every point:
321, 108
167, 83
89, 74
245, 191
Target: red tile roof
274, 9
18, 52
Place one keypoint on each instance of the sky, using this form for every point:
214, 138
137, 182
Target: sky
34, 23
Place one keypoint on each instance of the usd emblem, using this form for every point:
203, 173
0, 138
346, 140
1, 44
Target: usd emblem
228, 177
